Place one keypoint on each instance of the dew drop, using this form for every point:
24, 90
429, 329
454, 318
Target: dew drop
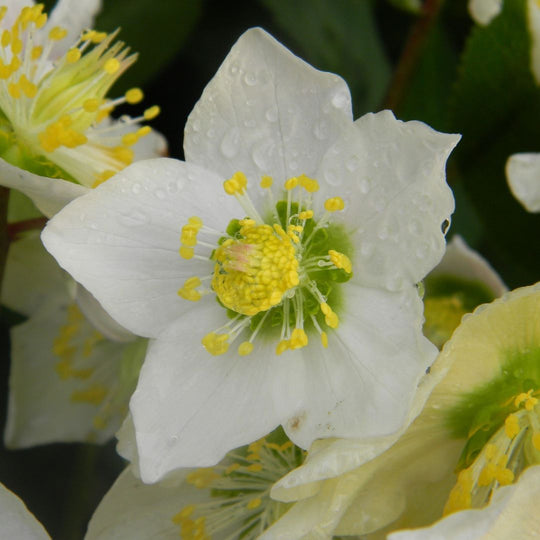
160, 194
321, 130
271, 114
332, 177
352, 164
340, 100
364, 185
250, 79
196, 125
263, 153
366, 249
250, 123
234, 68
136, 188
211, 133
230, 142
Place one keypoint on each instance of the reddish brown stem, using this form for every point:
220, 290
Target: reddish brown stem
411, 53
15, 229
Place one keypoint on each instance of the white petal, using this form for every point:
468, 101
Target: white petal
41, 409
266, 112
121, 241
50, 195
137, 511
16, 521
364, 383
533, 20
75, 16
512, 513
461, 261
190, 408
391, 175
150, 146
483, 11
99, 318
31, 276
523, 175
14, 8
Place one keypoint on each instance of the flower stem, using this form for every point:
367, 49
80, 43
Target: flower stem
14, 229
411, 53
4, 238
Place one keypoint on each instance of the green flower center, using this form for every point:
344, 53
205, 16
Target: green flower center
278, 277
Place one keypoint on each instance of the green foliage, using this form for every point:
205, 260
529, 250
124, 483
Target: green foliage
339, 36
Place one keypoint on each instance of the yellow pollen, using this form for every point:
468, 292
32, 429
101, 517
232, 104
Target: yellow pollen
189, 294
254, 503
57, 33
195, 221
460, 496
16, 46
6, 38
253, 272
186, 252
306, 214
202, 478
151, 112
144, 130
291, 183
536, 441
282, 346
73, 55
192, 282
309, 184
298, 339
125, 155
36, 52
3, 11
103, 177
245, 348
14, 90
91, 105
324, 339
334, 204
255, 467
216, 344
340, 260
232, 467
511, 426
111, 66
183, 514
94, 395
130, 139
94, 36
134, 95
266, 181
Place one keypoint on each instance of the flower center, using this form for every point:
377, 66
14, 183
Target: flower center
277, 276
50, 107
501, 422
239, 500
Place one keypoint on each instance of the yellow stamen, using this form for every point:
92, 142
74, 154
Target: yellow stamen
245, 348
57, 33
111, 66
152, 112
334, 204
202, 478
134, 95
73, 55
266, 182
216, 344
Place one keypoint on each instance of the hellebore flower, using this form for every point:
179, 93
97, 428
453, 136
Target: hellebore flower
286, 293
484, 11
16, 521
479, 429
55, 131
229, 500
72, 370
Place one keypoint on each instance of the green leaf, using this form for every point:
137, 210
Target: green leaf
412, 6
339, 36
496, 107
156, 30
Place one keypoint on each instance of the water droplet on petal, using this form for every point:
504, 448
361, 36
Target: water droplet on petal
211, 133
321, 130
160, 194
250, 79
234, 68
271, 114
352, 164
136, 188
340, 100
263, 154
229, 144
364, 185
133, 219
332, 177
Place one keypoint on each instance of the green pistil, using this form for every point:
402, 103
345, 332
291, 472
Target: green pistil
483, 411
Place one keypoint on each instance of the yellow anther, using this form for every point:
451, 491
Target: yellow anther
511, 426
325, 308
186, 252
41, 21
189, 294
334, 204
536, 441
230, 186
340, 260
487, 475
57, 33
291, 183
195, 221
255, 467
282, 346
491, 451
232, 467
15, 64
202, 478
99, 422
37, 51
144, 130
111, 66
309, 184
94, 395
185, 513
189, 235
124, 154
134, 95
130, 139
151, 112
504, 476
306, 214
103, 177
29, 88
6, 38
245, 348
332, 320
91, 105
16, 46
216, 344
298, 339
266, 181
73, 55
324, 339
3, 11
254, 503
460, 497
192, 282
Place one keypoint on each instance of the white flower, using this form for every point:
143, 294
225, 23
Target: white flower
484, 11
230, 500
71, 379
328, 341
482, 418
55, 134
511, 513
15, 519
